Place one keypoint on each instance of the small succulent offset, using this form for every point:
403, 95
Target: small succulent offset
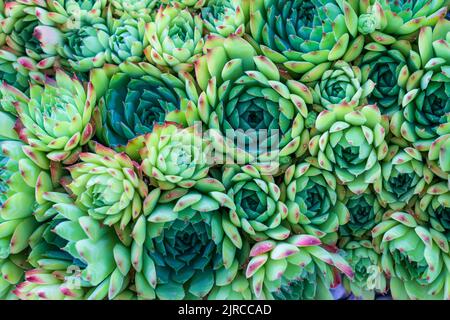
224, 149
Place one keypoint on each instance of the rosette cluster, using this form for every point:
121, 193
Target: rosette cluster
224, 149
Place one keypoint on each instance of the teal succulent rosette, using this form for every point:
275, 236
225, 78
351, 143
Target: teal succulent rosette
253, 114
137, 97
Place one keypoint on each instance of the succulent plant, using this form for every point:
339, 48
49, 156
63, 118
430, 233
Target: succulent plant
22, 59
305, 36
65, 14
224, 149
83, 47
406, 17
369, 277
108, 186
425, 114
252, 112
434, 207
389, 68
49, 273
135, 9
103, 270
192, 244
126, 41
224, 17
350, 142
22, 187
311, 196
9, 70
259, 212
341, 83
414, 257
403, 177
57, 116
272, 263
137, 96
175, 38
174, 156
364, 210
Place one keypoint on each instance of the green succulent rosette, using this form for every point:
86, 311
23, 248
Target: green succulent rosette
414, 256
23, 184
63, 29
259, 212
364, 210
175, 39
136, 97
403, 177
193, 244
403, 18
426, 108
83, 47
135, 9
273, 264
350, 142
64, 13
252, 112
57, 116
22, 59
103, 253
369, 278
305, 36
434, 206
389, 66
341, 83
224, 17
97, 41
126, 40
173, 156
108, 186
49, 272
313, 201
43, 252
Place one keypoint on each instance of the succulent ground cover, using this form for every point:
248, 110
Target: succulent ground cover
224, 149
